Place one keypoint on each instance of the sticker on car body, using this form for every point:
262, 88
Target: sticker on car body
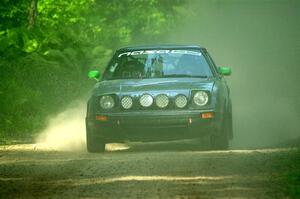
145, 52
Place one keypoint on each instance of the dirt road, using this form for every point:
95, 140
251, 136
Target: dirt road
27, 171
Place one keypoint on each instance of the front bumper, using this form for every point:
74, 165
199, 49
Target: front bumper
152, 125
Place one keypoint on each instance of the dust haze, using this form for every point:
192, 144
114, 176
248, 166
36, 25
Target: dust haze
65, 131
260, 41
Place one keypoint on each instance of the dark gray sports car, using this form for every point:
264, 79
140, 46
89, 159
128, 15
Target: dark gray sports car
164, 92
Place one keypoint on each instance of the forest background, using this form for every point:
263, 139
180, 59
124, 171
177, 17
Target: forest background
47, 47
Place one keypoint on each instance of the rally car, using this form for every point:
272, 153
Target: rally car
162, 92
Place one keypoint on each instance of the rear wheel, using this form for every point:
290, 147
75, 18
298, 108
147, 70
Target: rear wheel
94, 144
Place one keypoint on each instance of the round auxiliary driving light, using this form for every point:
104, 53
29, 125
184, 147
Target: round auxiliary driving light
162, 101
200, 98
181, 101
146, 100
107, 102
126, 102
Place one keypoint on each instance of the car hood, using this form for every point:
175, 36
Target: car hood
145, 85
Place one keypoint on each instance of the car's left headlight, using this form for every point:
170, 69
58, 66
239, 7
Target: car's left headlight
200, 98
107, 102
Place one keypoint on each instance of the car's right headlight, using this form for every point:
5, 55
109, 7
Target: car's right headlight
107, 102
200, 98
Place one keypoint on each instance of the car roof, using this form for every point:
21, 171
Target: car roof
161, 47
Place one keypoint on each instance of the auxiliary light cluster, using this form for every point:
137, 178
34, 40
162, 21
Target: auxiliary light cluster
200, 98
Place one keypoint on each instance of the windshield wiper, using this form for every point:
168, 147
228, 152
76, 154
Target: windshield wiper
186, 75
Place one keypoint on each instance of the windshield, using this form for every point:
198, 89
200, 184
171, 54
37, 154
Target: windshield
158, 64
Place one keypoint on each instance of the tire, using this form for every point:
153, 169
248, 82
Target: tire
94, 145
229, 126
219, 140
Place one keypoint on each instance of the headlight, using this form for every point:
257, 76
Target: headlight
162, 101
200, 98
127, 102
181, 101
146, 100
107, 102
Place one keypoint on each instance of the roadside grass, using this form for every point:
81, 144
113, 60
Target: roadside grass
291, 179
11, 140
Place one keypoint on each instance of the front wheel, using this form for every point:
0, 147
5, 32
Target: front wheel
94, 144
219, 141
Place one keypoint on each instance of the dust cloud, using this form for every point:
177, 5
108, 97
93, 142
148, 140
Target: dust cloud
66, 131
260, 41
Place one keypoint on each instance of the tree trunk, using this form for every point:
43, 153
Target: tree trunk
32, 14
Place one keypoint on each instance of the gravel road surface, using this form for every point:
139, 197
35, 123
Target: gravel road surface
31, 171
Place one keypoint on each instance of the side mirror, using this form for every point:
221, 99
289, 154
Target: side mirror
94, 74
224, 71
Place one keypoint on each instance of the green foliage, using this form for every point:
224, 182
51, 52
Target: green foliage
109, 23
43, 69
17, 40
13, 13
